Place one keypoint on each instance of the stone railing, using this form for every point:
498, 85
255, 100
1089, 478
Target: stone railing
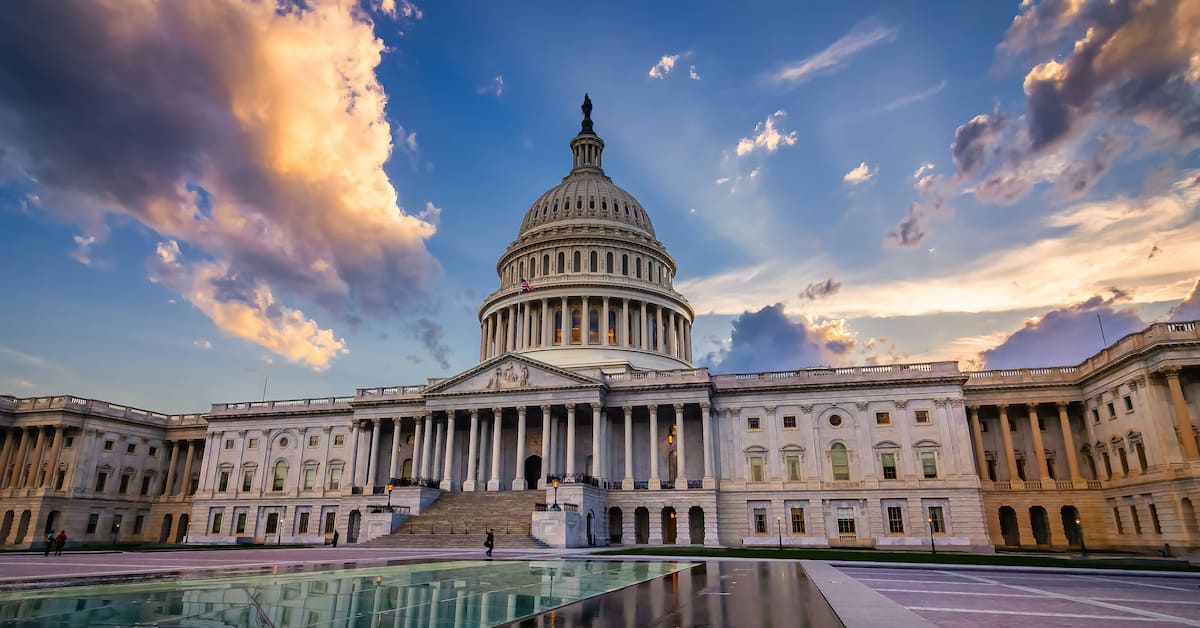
1052, 375
825, 375
390, 391
837, 485
104, 408
590, 280
647, 377
283, 405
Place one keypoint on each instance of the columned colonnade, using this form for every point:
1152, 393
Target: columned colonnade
30, 455
1010, 458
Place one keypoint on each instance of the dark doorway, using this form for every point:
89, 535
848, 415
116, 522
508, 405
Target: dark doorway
51, 522
616, 524
1040, 524
696, 525
6, 527
1069, 516
669, 525
641, 525
22, 526
533, 471
182, 530
165, 533
355, 523
590, 536
1008, 526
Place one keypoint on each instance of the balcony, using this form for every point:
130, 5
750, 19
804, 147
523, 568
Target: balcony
284, 406
842, 375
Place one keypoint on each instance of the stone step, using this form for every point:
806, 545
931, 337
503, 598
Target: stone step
457, 541
461, 519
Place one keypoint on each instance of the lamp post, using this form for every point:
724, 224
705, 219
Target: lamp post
1082, 547
389, 492
932, 547
555, 506
279, 537
779, 530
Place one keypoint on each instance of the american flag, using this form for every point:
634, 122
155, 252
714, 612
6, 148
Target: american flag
525, 287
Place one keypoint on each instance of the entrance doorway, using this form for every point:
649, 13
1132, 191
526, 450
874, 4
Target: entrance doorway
51, 520
1069, 516
355, 523
181, 532
615, 524
1008, 526
641, 526
1040, 524
591, 537
533, 470
165, 532
696, 525
669, 525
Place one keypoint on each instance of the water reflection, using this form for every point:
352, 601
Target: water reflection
468, 593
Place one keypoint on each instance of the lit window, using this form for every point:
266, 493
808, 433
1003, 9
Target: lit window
937, 520
922, 416
793, 468
929, 464
797, 520
752, 423
889, 465
789, 422
841, 461
845, 520
883, 418
895, 515
756, 468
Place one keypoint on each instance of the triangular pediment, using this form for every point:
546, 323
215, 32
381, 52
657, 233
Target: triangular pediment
510, 373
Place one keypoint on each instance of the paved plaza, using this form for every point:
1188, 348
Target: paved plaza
977, 597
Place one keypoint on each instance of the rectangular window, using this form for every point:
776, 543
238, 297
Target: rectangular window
797, 520
752, 423
1050, 468
1095, 415
1137, 521
310, 478
69, 442
1128, 403
789, 422
216, 524
303, 524
991, 467
279, 477
845, 521
272, 523
1140, 450
101, 480
60, 478
756, 468
145, 490
138, 522
108, 445
339, 440
1112, 412
247, 480
937, 520
330, 520
335, 478
883, 418
895, 515
153, 451
130, 448
1117, 518
252, 443
93, 522
929, 464
124, 488
760, 520
313, 441
922, 416
241, 523
1021, 469
1154, 519
115, 527
223, 482
1124, 460
793, 468
1107, 465
228, 443
889, 465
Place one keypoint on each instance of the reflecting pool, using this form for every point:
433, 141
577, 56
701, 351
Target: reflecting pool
458, 593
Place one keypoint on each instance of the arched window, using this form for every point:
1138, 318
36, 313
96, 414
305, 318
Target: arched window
562, 262
840, 460
521, 269
558, 326
579, 202
625, 265
593, 327
576, 331
660, 273
612, 327
637, 266
281, 469
533, 267
575, 262
650, 270
591, 203
546, 264
608, 259
592, 262
652, 321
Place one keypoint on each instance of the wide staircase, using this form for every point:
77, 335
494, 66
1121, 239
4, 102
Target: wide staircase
461, 520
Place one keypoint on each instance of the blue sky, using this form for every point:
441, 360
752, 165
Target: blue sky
317, 197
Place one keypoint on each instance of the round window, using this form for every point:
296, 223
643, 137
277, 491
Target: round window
835, 420
283, 442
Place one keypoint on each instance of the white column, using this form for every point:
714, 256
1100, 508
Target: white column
566, 324
497, 416
585, 322
482, 340
642, 330
706, 428
519, 480
481, 473
373, 452
597, 413
448, 463
623, 327
472, 451
546, 326
353, 470
420, 449
553, 463
604, 322
435, 467
627, 482
570, 470
669, 320
655, 480
545, 446
680, 464
395, 467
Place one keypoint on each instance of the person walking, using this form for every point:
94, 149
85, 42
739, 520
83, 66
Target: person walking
59, 542
490, 542
335, 537
49, 542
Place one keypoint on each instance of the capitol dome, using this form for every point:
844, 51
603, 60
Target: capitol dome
586, 283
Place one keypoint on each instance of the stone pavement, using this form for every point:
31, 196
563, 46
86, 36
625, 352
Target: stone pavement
978, 597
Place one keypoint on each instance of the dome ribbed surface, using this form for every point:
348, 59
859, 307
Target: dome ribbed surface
587, 196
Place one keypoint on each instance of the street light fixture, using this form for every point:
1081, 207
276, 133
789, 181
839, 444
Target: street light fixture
1082, 547
779, 530
932, 547
389, 492
555, 506
279, 537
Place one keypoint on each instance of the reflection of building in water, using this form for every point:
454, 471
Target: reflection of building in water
586, 376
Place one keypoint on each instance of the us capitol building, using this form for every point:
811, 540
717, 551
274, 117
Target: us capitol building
587, 416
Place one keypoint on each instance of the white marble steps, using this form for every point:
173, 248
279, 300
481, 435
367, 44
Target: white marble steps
461, 519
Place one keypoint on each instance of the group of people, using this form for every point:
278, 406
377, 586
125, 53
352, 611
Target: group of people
55, 543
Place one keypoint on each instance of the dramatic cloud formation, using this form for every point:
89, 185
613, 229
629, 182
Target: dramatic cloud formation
250, 132
1189, 308
834, 58
433, 337
1102, 69
766, 136
1066, 336
860, 174
767, 340
664, 66
822, 289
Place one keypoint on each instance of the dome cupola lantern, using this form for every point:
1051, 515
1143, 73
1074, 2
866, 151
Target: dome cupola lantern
587, 147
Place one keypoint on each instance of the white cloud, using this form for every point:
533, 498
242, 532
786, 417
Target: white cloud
83, 249
766, 136
925, 167
864, 35
722, 180
405, 8
860, 174
202, 344
495, 86
909, 99
664, 66
692, 211
20, 356
693, 74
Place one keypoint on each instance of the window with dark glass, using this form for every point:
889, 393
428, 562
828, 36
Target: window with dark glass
895, 515
789, 422
216, 524
845, 520
889, 465
929, 464
840, 460
797, 520
760, 520
937, 520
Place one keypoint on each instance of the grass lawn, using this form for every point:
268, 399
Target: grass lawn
907, 557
